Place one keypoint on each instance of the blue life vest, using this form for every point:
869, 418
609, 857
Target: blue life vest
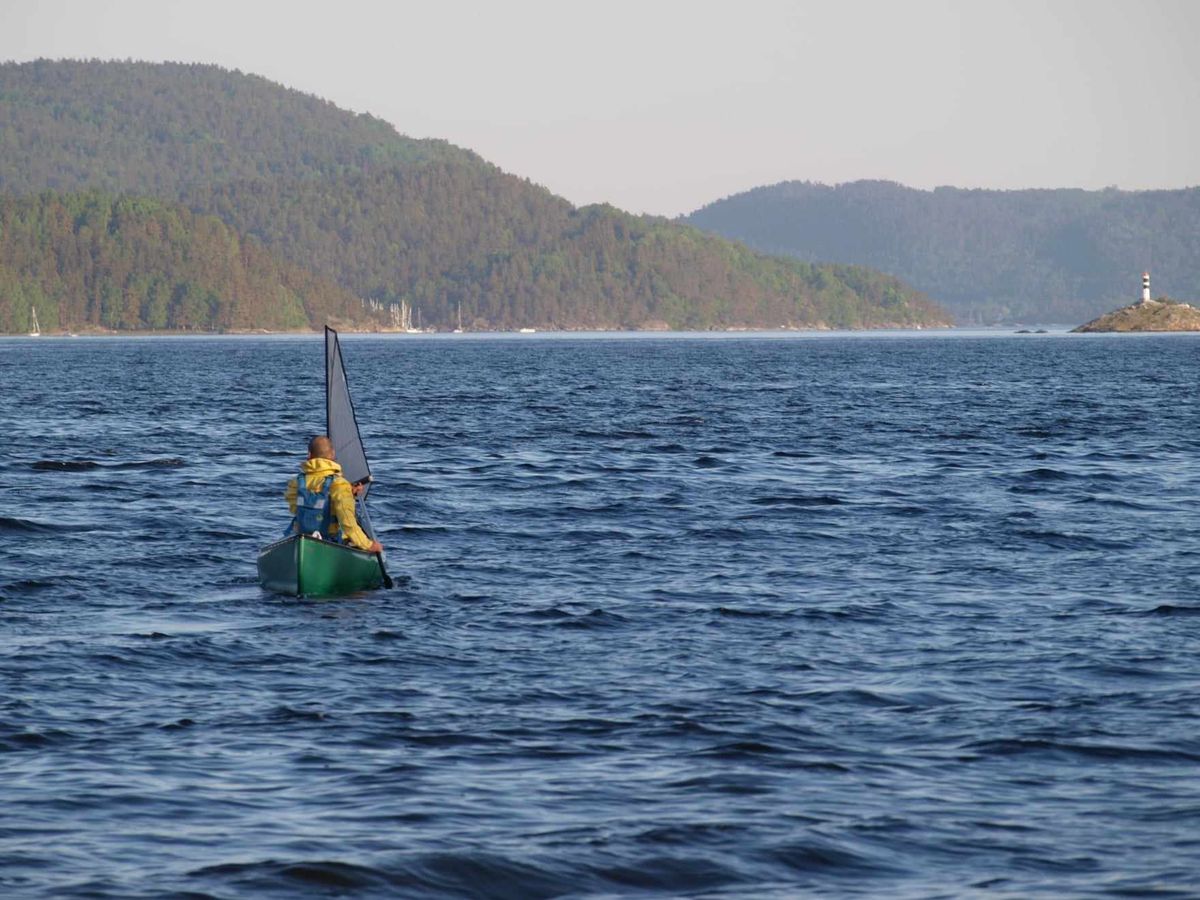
313, 508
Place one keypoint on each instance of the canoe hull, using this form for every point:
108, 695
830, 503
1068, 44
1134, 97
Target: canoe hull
304, 566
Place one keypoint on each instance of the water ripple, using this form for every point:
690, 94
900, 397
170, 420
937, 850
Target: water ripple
812, 616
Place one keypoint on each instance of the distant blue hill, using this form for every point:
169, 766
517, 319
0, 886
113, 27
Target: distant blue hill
1014, 256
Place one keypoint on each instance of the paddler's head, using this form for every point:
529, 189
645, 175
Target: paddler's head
320, 447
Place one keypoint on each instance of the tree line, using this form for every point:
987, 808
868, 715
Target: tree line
445, 237
92, 261
342, 199
1031, 255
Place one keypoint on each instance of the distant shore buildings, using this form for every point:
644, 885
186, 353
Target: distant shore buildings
1145, 287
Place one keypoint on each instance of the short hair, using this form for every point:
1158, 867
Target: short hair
320, 447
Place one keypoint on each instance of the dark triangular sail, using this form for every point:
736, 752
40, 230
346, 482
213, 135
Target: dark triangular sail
342, 427
340, 422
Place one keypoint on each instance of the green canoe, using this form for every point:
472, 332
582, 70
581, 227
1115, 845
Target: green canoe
305, 566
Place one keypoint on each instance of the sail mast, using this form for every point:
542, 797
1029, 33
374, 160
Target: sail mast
341, 425
340, 421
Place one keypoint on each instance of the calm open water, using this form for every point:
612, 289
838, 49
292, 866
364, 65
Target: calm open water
902, 616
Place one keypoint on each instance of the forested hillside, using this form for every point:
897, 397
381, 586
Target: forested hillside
160, 128
389, 218
443, 235
1032, 256
87, 261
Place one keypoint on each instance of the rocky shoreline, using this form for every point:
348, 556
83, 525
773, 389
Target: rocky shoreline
1149, 315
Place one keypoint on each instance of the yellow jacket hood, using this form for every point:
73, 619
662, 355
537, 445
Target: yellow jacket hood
320, 468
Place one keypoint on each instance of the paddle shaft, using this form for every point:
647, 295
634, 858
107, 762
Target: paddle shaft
387, 579
361, 507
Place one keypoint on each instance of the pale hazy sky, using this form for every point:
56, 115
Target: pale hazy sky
662, 106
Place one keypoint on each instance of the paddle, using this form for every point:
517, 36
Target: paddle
361, 508
387, 579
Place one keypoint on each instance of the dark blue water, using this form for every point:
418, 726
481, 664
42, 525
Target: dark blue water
834, 616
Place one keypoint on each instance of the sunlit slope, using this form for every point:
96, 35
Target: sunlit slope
389, 218
88, 261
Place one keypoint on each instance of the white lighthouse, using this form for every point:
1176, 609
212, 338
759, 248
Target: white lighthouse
1145, 287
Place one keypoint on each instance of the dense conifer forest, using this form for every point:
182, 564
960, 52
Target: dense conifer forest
91, 261
248, 205
1032, 256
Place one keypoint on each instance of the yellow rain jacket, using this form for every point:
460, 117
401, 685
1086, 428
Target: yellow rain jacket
341, 500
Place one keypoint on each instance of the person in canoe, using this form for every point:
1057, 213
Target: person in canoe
322, 500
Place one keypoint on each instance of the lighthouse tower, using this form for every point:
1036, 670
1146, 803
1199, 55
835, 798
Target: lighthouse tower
1145, 287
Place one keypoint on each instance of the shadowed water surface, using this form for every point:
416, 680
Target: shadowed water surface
841, 616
